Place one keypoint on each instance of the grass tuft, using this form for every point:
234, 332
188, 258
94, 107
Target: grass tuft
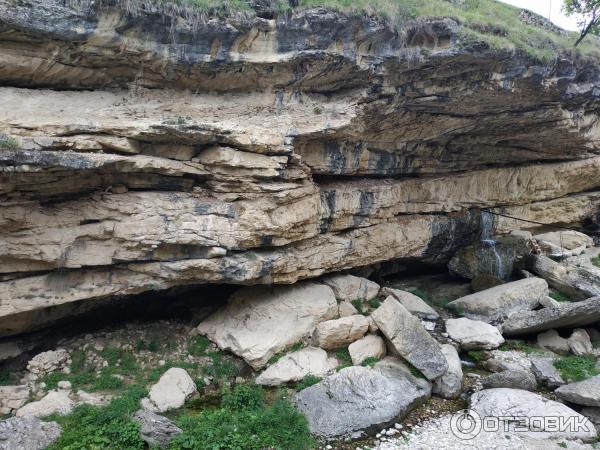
576, 368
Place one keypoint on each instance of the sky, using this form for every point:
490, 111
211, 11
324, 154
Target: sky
551, 8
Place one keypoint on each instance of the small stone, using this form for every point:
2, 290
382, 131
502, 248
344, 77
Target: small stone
371, 346
552, 341
580, 343
64, 384
162, 362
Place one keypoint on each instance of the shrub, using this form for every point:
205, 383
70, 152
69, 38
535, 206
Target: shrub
576, 368
109, 427
245, 421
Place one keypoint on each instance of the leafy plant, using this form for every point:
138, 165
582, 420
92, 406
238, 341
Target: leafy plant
374, 303
476, 355
359, 305
344, 358
245, 421
576, 368
8, 142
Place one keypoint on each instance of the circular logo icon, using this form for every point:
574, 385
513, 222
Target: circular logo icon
465, 424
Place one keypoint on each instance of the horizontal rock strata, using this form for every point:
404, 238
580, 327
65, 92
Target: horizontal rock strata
146, 154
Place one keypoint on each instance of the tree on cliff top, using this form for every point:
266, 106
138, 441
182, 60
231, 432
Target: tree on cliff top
588, 16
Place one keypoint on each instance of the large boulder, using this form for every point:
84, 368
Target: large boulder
55, 402
338, 333
586, 392
356, 398
171, 391
260, 321
563, 243
27, 433
580, 343
473, 334
155, 430
553, 341
296, 366
510, 403
46, 362
502, 301
577, 314
349, 287
371, 346
13, 397
544, 371
414, 304
449, 385
409, 338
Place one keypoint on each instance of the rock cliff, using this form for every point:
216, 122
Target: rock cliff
144, 148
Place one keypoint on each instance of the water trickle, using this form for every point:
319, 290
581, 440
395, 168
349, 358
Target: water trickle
490, 259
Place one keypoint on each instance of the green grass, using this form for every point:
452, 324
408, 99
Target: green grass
344, 358
8, 142
576, 368
308, 381
560, 296
596, 261
374, 303
198, 346
245, 421
476, 355
109, 427
370, 361
519, 346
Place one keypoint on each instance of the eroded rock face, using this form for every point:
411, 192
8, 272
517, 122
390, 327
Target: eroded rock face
27, 433
337, 144
259, 322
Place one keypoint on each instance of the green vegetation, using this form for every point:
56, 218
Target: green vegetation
5, 378
221, 367
198, 346
374, 303
476, 355
8, 142
294, 348
576, 368
519, 346
111, 427
370, 361
490, 22
588, 16
596, 261
306, 382
245, 421
344, 358
360, 307
559, 296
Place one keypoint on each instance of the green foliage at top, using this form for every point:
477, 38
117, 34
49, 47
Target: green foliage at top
587, 13
245, 422
111, 427
576, 368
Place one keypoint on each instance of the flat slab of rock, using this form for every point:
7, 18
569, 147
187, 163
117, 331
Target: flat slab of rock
564, 243
545, 373
514, 379
260, 321
155, 430
296, 366
408, 337
449, 385
586, 392
27, 433
349, 287
414, 304
356, 398
578, 314
340, 332
504, 402
171, 391
474, 334
55, 402
370, 346
502, 301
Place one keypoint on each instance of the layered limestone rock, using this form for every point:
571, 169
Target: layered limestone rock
152, 148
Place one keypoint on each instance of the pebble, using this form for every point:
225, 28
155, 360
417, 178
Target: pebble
64, 384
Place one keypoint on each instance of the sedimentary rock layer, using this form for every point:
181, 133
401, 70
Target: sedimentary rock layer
143, 149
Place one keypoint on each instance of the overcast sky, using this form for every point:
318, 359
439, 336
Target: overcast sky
547, 8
